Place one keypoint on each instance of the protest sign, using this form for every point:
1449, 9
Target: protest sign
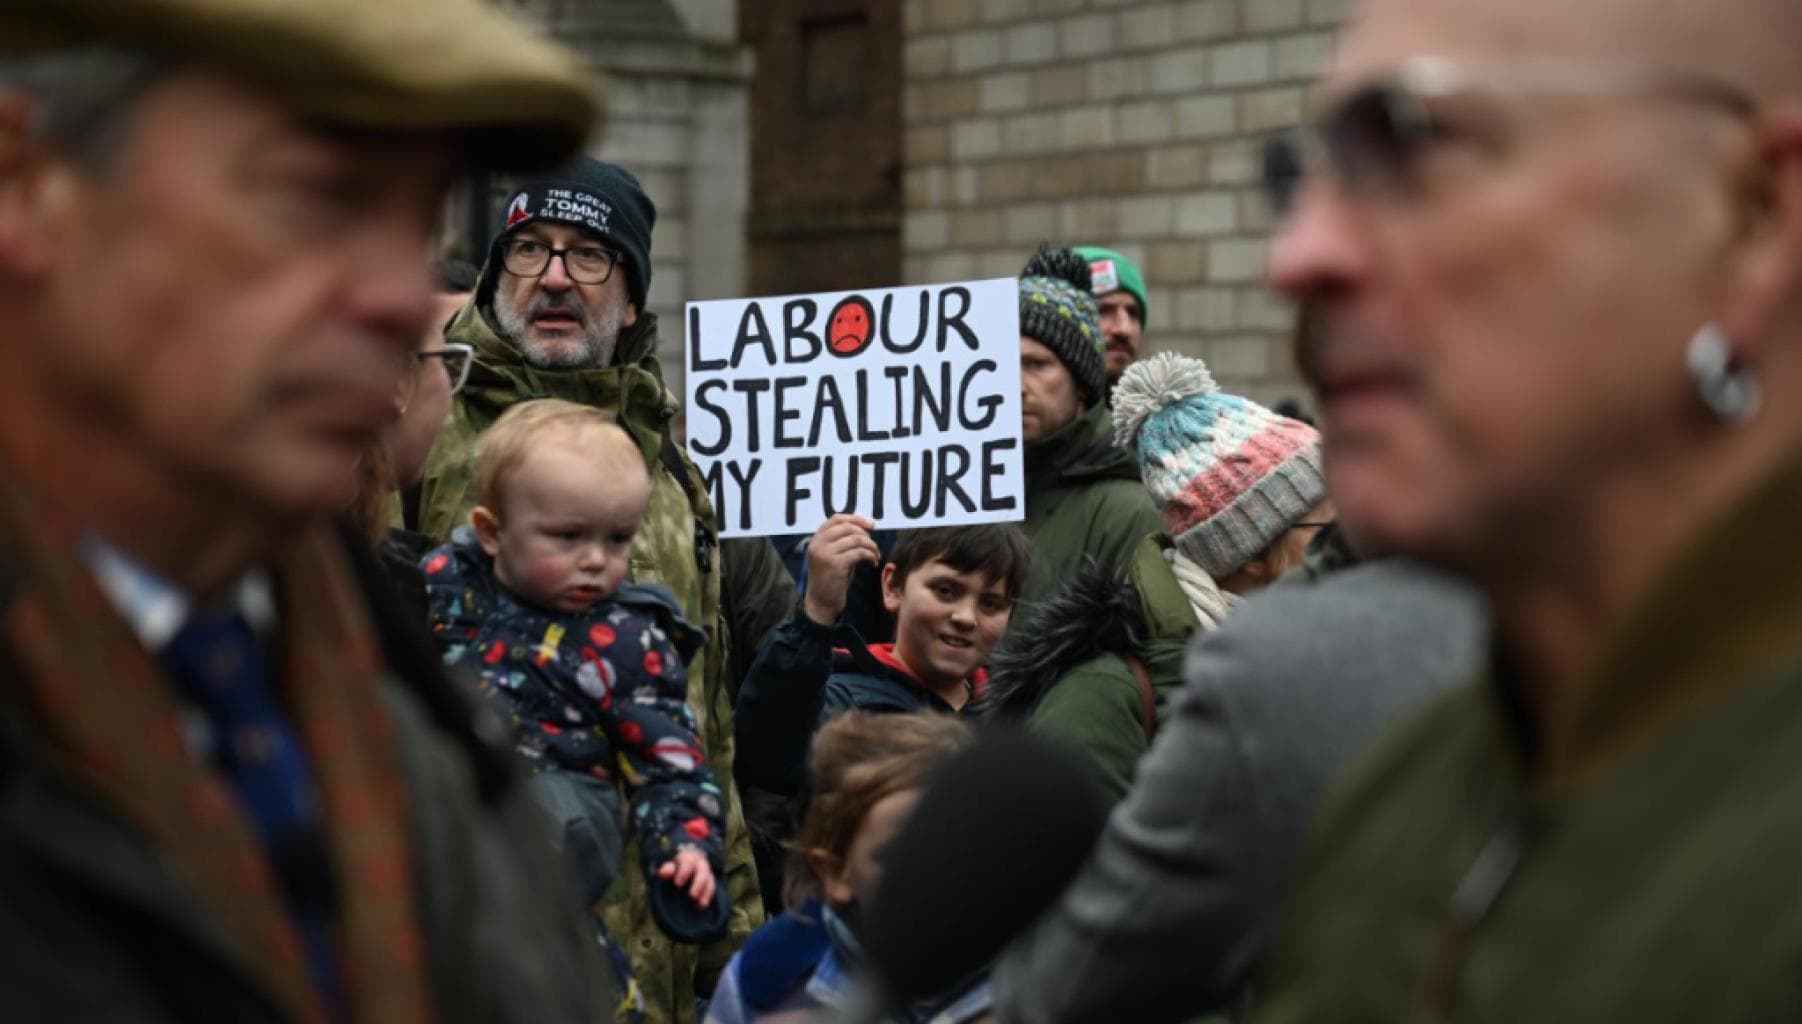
899, 404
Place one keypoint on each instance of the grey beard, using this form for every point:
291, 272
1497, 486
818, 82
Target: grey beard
599, 334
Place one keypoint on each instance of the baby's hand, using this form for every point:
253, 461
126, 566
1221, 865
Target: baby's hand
689, 870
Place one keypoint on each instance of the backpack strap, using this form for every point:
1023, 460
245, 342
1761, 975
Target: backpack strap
706, 540
1148, 701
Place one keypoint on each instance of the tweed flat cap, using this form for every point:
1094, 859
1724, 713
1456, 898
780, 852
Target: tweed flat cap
430, 65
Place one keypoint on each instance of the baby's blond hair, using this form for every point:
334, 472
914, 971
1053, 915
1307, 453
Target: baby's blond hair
503, 447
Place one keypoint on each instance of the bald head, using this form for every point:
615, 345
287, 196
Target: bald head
1753, 44
1772, 40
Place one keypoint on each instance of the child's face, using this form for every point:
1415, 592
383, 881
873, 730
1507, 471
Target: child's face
854, 879
563, 539
946, 622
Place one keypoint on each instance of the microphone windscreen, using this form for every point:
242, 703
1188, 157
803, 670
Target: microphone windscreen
998, 835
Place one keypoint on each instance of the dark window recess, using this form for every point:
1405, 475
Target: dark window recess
833, 65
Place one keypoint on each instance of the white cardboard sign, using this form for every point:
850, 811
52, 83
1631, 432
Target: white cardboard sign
899, 404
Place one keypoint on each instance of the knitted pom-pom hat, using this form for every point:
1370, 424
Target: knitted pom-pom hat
1058, 311
1229, 476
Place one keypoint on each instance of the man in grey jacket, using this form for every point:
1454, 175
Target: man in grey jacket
1176, 908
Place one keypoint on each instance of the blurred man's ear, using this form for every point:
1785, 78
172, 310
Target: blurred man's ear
26, 181
1765, 273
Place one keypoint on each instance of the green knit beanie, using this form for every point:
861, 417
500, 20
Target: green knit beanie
1112, 272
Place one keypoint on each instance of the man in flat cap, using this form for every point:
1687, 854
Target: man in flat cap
559, 312
234, 786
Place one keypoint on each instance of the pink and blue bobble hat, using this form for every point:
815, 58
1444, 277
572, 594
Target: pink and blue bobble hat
1229, 476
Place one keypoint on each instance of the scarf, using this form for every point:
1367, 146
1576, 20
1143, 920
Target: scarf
1211, 604
113, 722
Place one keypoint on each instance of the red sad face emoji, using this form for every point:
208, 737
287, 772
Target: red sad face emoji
851, 326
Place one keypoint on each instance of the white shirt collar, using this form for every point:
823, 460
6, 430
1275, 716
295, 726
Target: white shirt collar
156, 608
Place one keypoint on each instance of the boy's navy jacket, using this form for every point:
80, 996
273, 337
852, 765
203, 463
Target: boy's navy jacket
598, 696
806, 674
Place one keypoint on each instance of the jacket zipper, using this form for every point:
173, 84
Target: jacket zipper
1472, 901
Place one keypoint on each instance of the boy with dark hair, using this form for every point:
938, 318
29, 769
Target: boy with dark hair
951, 591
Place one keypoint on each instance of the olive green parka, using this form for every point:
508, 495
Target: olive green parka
1084, 503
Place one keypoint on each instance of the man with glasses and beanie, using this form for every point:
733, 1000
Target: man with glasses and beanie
1554, 256
559, 312
235, 784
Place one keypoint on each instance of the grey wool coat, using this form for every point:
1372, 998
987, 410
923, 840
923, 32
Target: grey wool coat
1175, 910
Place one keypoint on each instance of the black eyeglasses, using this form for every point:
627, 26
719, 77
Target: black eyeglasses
1372, 140
585, 264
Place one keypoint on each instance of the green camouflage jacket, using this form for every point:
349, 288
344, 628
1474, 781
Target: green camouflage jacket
664, 553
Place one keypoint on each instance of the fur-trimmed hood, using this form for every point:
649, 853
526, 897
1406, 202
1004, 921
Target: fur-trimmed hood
1094, 614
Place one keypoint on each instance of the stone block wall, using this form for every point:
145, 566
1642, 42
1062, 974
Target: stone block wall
684, 137
1126, 123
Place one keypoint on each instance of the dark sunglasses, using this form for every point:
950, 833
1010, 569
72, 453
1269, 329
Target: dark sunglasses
1372, 140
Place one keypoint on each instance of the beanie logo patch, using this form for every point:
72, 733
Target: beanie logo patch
1104, 277
516, 211
574, 206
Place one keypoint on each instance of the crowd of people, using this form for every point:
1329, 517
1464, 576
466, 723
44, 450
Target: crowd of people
373, 654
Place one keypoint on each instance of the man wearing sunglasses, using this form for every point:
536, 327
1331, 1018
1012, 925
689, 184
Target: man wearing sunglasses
559, 312
1554, 253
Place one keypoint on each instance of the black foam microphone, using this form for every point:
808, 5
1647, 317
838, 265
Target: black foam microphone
1001, 831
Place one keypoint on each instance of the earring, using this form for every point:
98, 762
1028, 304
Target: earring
1725, 385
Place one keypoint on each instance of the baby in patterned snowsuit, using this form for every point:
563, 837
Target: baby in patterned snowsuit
530, 597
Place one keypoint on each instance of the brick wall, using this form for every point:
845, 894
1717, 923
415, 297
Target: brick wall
1126, 123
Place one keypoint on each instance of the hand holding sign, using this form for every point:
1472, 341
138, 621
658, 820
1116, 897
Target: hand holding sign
838, 547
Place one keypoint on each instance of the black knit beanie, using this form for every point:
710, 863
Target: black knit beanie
599, 197
1058, 310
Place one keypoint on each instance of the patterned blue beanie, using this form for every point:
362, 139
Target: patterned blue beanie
1058, 311
1229, 476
